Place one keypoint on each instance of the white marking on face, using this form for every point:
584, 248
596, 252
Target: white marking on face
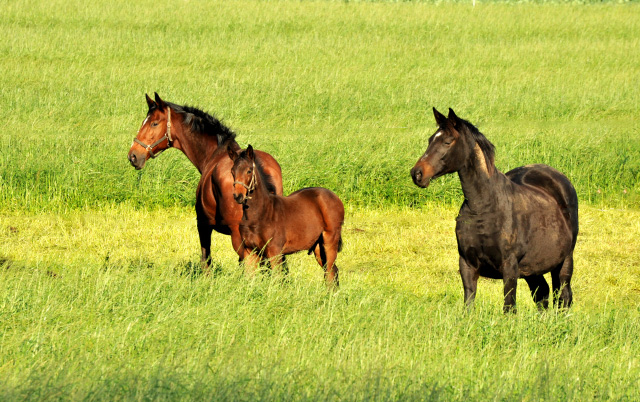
426, 155
143, 123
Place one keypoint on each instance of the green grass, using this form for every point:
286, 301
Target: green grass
100, 292
340, 93
119, 314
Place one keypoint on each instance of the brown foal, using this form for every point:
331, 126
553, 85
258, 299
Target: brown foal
273, 226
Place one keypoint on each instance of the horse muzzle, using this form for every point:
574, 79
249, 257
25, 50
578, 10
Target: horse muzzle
419, 177
136, 161
240, 198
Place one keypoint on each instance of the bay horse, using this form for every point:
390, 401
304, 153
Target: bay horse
273, 226
520, 224
204, 140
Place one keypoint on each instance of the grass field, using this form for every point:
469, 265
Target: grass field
100, 292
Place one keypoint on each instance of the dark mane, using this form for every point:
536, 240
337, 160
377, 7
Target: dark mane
204, 123
265, 178
485, 145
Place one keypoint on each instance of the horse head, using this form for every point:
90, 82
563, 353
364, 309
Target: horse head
446, 153
244, 173
154, 136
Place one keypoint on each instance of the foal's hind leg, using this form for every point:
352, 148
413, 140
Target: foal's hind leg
539, 290
561, 279
326, 252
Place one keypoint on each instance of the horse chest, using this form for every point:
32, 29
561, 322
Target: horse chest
254, 235
485, 240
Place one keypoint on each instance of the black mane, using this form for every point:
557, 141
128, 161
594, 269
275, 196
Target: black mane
204, 123
265, 178
488, 149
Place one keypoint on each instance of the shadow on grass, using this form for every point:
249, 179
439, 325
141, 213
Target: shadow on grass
194, 270
5, 263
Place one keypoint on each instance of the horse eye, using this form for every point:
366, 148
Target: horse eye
155, 123
448, 143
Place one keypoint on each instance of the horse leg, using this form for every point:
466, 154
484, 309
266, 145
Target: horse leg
237, 243
204, 232
510, 279
561, 280
469, 277
283, 266
275, 258
326, 252
539, 290
251, 262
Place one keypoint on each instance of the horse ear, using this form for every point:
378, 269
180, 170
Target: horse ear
232, 154
440, 119
150, 102
250, 154
161, 104
452, 117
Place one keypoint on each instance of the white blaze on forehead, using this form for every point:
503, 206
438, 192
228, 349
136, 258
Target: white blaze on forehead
438, 134
143, 123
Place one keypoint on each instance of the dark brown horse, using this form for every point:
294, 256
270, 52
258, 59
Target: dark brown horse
308, 219
522, 224
204, 140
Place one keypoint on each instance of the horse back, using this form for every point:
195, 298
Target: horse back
300, 219
315, 204
553, 183
325, 200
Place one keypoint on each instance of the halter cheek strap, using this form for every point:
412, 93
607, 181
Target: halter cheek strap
166, 136
252, 182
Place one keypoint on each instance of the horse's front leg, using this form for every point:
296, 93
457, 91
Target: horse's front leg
204, 232
275, 257
250, 259
237, 243
469, 275
510, 275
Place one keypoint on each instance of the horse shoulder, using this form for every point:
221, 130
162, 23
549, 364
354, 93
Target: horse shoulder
205, 200
215, 193
271, 167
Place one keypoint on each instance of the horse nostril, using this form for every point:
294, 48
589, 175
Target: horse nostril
417, 174
132, 158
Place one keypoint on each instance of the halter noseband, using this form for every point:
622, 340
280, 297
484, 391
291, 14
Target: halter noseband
252, 182
166, 136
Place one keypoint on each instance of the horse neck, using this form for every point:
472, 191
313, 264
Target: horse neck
261, 201
483, 187
197, 147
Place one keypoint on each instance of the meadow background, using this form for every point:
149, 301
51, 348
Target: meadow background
100, 291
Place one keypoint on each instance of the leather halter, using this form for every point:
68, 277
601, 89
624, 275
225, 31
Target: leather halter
252, 182
166, 136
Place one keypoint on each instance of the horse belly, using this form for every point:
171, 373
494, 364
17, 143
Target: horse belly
302, 237
546, 247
